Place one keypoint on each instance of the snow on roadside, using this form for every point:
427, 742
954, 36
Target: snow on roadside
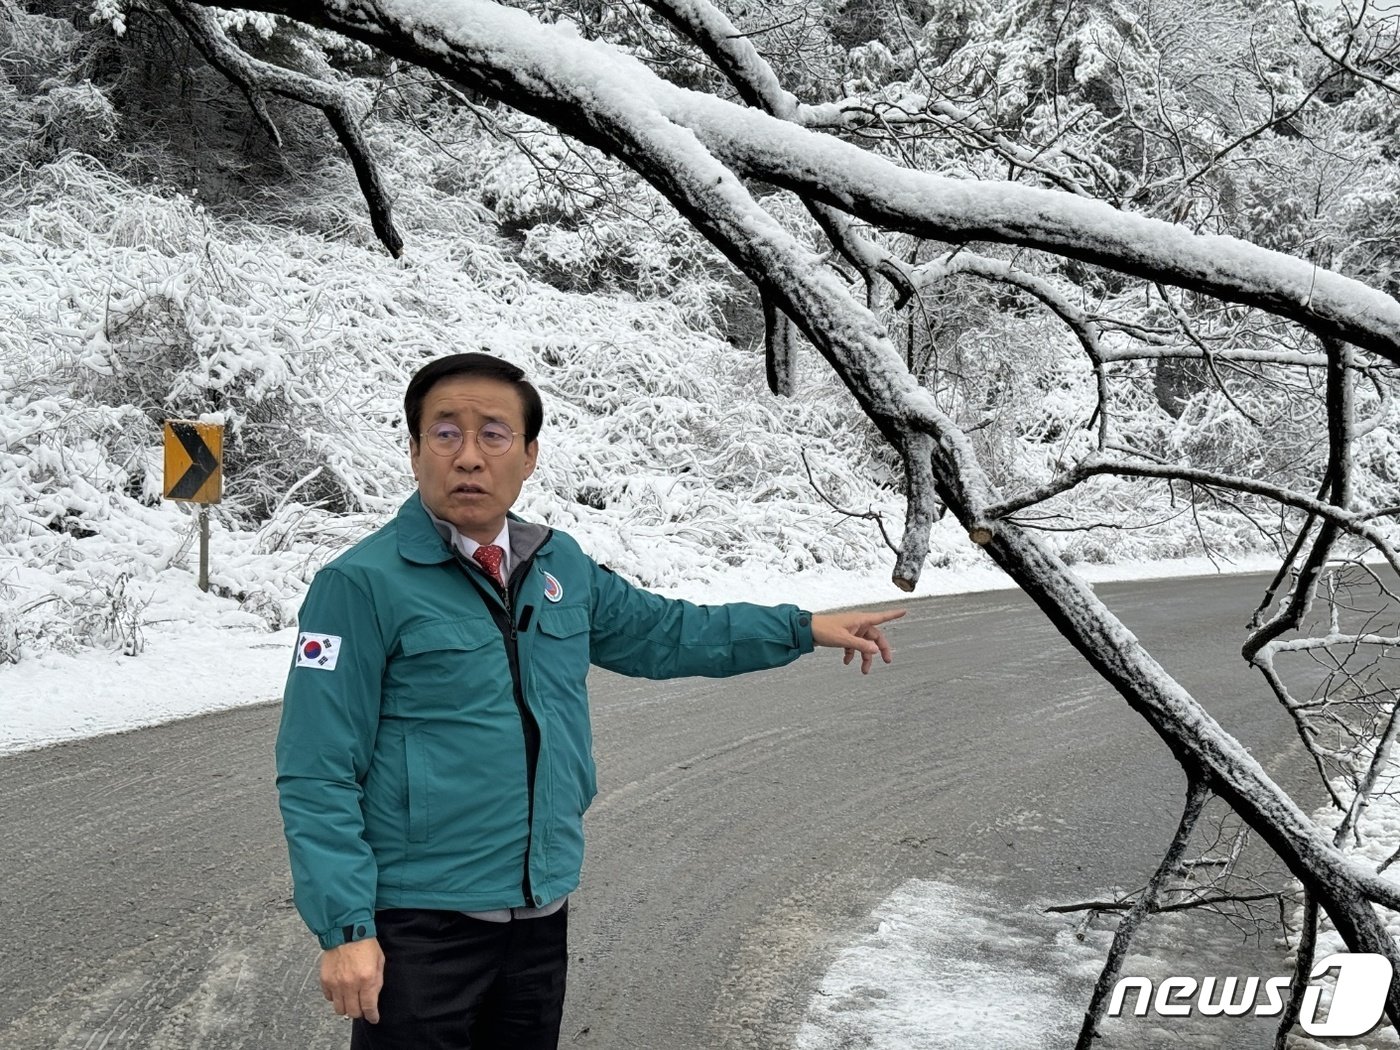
202, 653
950, 967
946, 967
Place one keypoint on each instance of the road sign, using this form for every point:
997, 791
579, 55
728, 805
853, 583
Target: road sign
194, 461
194, 473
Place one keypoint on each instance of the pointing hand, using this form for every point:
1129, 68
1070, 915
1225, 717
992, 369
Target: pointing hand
856, 631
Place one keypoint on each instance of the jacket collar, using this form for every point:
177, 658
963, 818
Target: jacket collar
421, 543
526, 538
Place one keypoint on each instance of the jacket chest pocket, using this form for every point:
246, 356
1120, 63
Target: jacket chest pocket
563, 645
440, 666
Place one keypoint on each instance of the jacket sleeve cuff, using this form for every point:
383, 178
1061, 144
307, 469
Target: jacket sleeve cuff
359, 930
802, 627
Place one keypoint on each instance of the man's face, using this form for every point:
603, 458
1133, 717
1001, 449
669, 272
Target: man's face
471, 489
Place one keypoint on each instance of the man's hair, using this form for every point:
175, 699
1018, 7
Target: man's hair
480, 366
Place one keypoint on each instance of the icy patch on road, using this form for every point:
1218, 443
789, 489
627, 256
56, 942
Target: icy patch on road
951, 967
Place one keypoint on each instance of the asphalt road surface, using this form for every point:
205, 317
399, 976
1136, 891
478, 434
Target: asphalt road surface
742, 833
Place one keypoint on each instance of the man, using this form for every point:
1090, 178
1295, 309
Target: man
435, 756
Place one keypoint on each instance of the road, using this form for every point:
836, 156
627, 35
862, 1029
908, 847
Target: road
743, 831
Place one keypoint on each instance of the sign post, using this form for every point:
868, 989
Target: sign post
204, 547
194, 473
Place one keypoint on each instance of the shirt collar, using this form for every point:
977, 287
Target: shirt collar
467, 545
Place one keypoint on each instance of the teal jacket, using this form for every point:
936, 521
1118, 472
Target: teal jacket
403, 769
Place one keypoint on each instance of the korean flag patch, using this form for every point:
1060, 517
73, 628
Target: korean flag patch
318, 650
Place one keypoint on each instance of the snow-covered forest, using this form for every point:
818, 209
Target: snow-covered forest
164, 258
889, 285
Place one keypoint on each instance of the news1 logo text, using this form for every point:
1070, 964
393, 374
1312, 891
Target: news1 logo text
1358, 1000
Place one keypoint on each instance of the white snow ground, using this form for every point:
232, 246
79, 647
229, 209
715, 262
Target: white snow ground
946, 967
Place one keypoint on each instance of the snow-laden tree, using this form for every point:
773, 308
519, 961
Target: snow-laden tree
965, 171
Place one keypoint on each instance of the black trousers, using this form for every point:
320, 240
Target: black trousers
457, 983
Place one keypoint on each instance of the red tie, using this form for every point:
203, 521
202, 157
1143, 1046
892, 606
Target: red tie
489, 557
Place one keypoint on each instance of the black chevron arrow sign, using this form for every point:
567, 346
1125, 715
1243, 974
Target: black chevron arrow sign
200, 463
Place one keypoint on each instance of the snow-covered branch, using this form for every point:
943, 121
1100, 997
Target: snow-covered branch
1095, 465
1004, 273
256, 79
1291, 358
551, 73
917, 110
923, 510
1329, 641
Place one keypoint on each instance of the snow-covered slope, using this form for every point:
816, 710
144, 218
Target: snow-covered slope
663, 450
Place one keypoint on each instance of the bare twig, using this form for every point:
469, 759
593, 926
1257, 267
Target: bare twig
1206, 354
1339, 424
869, 515
1163, 909
1094, 465
1341, 59
1196, 794
1302, 972
1004, 273
1379, 761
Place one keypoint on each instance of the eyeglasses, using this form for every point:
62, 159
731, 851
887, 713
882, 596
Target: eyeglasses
446, 439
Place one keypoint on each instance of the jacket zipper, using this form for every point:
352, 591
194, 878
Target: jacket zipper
528, 726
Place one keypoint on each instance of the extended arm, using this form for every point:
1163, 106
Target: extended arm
635, 632
642, 634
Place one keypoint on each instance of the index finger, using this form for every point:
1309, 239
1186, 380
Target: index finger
885, 616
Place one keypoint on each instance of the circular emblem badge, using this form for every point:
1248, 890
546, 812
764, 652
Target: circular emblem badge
311, 650
552, 591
